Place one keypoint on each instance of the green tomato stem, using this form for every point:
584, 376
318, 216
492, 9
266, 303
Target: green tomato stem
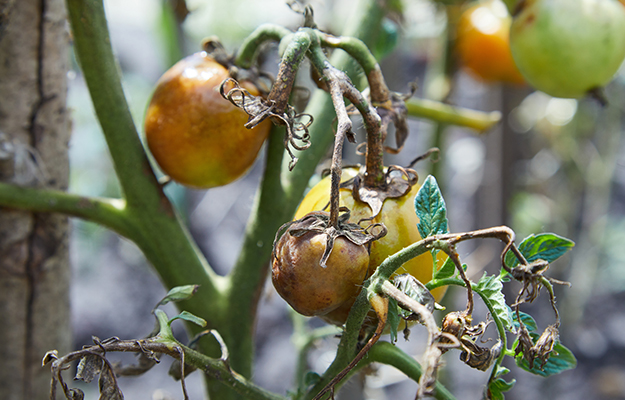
156, 228
451, 115
106, 212
251, 44
360, 52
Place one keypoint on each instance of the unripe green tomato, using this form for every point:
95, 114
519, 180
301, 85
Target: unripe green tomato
567, 47
399, 217
308, 287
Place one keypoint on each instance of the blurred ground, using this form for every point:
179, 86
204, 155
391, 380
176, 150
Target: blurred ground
554, 165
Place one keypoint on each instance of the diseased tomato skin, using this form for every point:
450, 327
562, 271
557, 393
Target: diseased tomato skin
196, 136
399, 217
308, 287
483, 44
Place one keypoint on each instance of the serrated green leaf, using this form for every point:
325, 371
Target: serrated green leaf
498, 387
431, 209
187, 316
393, 318
446, 271
179, 293
545, 246
561, 359
490, 289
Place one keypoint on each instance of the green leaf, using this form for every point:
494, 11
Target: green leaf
498, 385
446, 271
545, 246
497, 388
560, 360
527, 320
187, 316
393, 318
179, 293
431, 210
490, 289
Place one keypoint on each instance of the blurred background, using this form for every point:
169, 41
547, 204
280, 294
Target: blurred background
551, 165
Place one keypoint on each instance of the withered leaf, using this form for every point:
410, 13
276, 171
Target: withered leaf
88, 367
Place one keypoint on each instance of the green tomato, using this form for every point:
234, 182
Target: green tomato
567, 47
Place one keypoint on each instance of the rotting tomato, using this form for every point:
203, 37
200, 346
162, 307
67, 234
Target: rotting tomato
482, 43
196, 136
400, 219
567, 48
313, 289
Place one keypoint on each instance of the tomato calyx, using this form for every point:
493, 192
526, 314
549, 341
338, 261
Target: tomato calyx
397, 182
319, 222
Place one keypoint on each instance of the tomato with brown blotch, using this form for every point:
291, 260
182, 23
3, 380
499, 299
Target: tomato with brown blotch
196, 136
313, 289
400, 219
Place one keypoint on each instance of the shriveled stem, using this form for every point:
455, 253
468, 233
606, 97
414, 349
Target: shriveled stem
293, 56
211, 366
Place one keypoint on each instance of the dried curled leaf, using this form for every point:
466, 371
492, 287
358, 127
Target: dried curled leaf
397, 182
297, 135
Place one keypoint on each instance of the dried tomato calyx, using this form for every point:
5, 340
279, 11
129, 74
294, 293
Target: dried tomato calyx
318, 221
397, 182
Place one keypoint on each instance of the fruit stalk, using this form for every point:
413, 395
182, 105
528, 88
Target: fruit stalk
340, 86
293, 56
264, 33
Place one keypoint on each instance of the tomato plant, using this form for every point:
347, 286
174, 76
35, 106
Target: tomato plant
483, 44
195, 135
339, 264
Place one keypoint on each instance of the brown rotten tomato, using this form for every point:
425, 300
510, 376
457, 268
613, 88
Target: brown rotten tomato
400, 219
196, 136
311, 288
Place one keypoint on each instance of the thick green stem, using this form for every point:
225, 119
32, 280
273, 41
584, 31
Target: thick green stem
106, 212
156, 227
250, 271
450, 115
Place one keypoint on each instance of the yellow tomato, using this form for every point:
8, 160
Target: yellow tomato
399, 217
195, 135
483, 44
